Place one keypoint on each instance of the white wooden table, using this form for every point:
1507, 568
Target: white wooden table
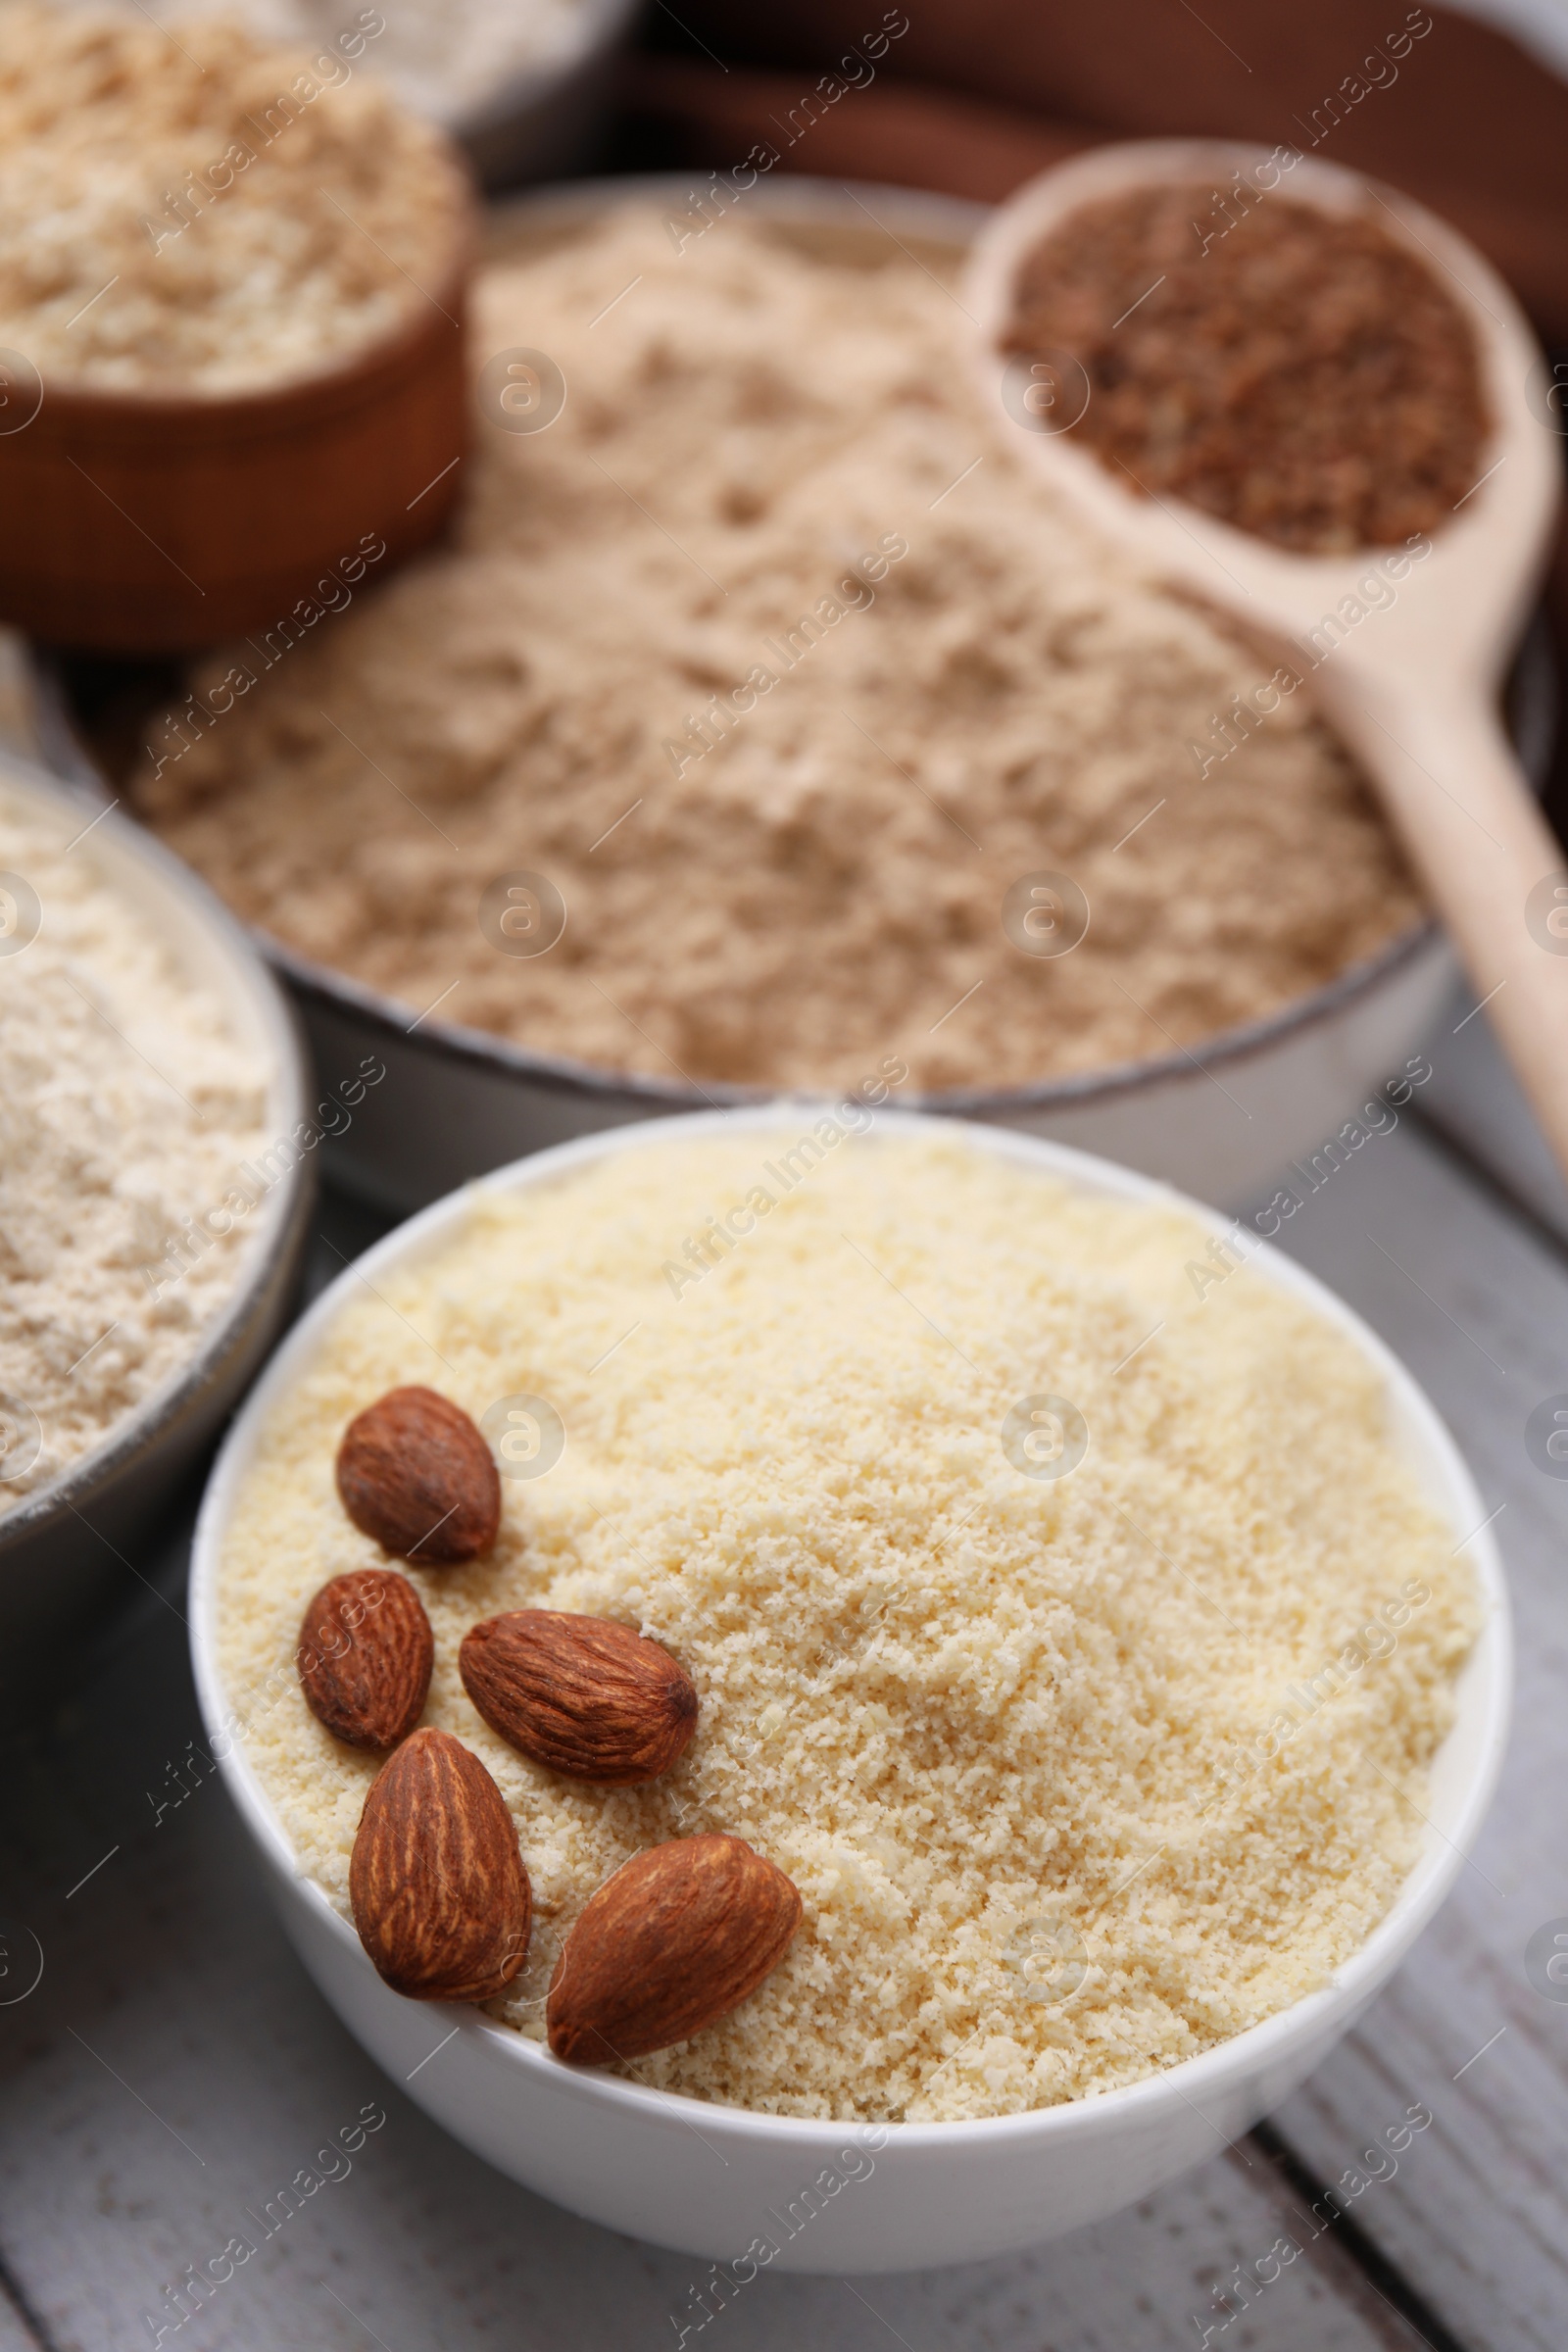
173, 2066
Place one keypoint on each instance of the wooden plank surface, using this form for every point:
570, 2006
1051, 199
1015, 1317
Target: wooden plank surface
1475, 1099
1478, 1305
174, 2068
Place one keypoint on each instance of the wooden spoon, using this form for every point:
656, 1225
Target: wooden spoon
1412, 687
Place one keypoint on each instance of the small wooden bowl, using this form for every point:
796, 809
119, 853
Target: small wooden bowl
150, 522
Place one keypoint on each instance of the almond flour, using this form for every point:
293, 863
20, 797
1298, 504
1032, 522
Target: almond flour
1077, 1776
778, 665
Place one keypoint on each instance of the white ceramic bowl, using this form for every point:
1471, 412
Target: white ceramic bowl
702, 2178
63, 1550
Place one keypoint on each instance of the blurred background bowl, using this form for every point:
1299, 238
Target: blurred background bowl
63, 1550
548, 119
149, 522
1217, 1120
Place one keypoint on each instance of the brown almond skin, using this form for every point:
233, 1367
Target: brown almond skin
364, 1656
679, 1935
581, 1695
416, 1473
441, 1897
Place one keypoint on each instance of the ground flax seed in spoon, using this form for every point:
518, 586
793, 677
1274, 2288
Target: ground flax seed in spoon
1300, 374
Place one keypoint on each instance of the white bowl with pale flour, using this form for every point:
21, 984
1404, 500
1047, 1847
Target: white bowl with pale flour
147, 1053
723, 2181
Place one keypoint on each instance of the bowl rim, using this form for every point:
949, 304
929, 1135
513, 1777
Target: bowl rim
349, 378
274, 1234
1243, 2056
561, 1073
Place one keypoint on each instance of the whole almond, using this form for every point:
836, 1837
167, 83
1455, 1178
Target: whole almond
414, 1472
581, 1695
441, 1898
364, 1656
674, 1940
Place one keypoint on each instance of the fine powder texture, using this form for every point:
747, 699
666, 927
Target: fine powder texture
207, 214
1296, 373
127, 1105
696, 567
1076, 1775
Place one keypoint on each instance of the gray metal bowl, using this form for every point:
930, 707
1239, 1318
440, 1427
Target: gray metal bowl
547, 120
72, 1546
1216, 1121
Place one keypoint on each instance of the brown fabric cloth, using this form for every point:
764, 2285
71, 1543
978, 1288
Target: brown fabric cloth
976, 95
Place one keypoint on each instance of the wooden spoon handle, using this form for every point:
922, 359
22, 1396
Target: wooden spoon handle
1473, 833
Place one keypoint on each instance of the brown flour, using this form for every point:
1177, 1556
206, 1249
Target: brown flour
751, 433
